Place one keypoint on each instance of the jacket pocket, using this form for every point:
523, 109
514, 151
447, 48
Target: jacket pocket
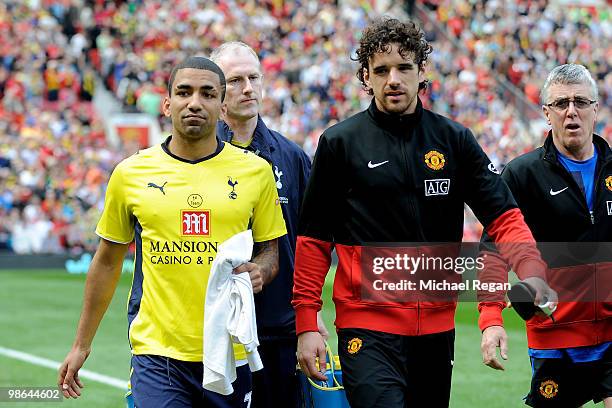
567, 312
576, 283
347, 276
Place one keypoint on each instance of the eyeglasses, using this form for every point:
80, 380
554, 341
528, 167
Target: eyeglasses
563, 103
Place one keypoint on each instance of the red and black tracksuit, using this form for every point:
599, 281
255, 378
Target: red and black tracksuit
379, 179
575, 244
368, 185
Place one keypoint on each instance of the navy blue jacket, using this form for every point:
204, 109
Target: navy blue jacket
291, 167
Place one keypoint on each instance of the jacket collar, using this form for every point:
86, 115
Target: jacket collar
393, 121
603, 149
261, 144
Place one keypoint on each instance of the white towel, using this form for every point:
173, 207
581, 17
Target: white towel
229, 315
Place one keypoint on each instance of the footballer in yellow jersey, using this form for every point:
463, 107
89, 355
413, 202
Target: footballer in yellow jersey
178, 212
178, 201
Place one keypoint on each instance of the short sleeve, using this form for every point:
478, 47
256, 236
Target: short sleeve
117, 222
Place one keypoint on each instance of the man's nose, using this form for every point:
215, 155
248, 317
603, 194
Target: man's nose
195, 102
248, 86
571, 109
394, 75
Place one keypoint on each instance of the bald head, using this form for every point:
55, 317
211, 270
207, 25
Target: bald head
242, 70
230, 49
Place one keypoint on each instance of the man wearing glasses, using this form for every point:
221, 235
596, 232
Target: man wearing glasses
564, 190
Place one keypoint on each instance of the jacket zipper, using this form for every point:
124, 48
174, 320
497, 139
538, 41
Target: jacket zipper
603, 164
414, 211
413, 206
597, 302
602, 167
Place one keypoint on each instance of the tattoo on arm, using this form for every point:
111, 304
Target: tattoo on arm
266, 256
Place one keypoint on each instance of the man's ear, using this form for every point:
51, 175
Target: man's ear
546, 112
595, 115
421, 74
166, 106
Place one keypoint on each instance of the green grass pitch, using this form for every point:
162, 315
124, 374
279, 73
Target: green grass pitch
39, 312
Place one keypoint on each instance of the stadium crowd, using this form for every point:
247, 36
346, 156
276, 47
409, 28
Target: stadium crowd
519, 42
55, 161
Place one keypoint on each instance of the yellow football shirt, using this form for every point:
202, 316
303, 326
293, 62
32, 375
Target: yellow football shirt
178, 212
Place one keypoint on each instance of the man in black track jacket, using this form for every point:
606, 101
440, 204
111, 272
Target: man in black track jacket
564, 189
394, 173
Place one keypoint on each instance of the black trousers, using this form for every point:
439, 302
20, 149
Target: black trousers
393, 371
561, 383
276, 385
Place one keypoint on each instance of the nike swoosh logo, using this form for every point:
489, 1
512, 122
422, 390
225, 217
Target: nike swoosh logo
554, 193
374, 165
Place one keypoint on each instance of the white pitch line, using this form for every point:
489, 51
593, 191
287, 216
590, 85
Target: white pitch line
43, 362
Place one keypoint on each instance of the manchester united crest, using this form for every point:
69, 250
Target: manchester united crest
435, 160
609, 183
354, 345
549, 389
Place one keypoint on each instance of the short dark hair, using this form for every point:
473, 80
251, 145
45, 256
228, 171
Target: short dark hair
198, 63
381, 33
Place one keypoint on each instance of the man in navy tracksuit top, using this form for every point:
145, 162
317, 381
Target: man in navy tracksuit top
564, 189
276, 384
395, 172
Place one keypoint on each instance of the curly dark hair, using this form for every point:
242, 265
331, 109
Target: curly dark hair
378, 37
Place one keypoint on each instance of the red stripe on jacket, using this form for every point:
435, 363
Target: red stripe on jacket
352, 311
312, 261
516, 247
515, 244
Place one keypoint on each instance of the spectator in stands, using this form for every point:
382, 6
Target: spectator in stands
47, 46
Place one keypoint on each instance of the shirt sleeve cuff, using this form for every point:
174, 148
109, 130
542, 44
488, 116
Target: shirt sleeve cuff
306, 320
490, 314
